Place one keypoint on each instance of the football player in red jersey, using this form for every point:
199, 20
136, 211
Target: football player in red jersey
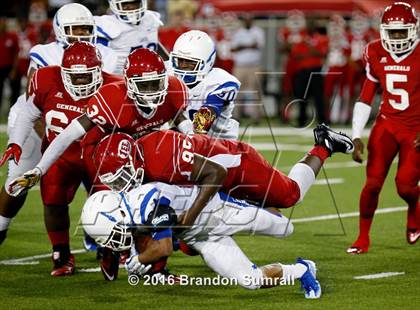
232, 166
392, 64
60, 95
147, 99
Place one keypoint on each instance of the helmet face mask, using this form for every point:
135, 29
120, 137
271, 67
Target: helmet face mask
193, 56
398, 44
120, 238
82, 32
119, 162
128, 11
74, 22
188, 69
147, 91
81, 82
124, 179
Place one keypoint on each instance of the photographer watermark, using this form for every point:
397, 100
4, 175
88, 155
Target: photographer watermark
184, 280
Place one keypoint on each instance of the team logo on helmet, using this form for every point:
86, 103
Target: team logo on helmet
124, 149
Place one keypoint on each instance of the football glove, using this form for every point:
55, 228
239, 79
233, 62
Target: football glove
203, 119
134, 266
25, 182
14, 152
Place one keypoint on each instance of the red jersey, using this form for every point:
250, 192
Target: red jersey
112, 109
304, 58
400, 81
169, 155
57, 106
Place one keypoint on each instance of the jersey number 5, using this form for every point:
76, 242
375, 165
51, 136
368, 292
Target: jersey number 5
390, 87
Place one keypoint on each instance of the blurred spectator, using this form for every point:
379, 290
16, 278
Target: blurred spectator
28, 37
309, 56
337, 65
219, 27
247, 45
177, 26
292, 33
360, 35
188, 7
9, 51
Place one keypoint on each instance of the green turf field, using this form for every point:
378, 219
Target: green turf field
324, 241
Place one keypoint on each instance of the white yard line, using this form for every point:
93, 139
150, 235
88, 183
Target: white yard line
379, 275
338, 165
345, 215
95, 269
331, 181
30, 259
16, 261
270, 146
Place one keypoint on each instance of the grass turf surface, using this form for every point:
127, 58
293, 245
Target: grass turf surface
31, 286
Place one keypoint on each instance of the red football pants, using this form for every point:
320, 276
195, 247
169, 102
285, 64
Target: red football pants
385, 142
256, 179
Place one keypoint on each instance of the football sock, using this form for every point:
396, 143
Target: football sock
60, 241
294, 271
304, 176
411, 218
4, 222
364, 229
321, 152
63, 249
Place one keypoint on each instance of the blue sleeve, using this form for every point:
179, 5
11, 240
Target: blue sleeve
222, 95
167, 233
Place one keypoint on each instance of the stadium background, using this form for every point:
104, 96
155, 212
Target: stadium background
322, 231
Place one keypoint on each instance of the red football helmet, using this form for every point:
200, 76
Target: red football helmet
119, 162
81, 70
399, 17
146, 79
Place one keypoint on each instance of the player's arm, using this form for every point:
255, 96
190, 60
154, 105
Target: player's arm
163, 52
156, 249
361, 112
210, 176
21, 120
183, 124
159, 223
74, 131
212, 108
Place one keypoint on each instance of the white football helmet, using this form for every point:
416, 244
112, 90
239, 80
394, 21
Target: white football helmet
197, 48
70, 15
107, 221
128, 16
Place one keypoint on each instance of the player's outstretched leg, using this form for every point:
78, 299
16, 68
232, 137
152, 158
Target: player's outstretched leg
57, 222
327, 142
334, 142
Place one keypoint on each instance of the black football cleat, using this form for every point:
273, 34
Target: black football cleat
3, 235
109, 264
334, 142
